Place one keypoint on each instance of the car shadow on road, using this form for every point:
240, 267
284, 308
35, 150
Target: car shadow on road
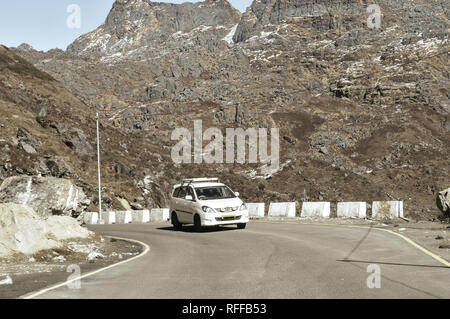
387, 263
191, 229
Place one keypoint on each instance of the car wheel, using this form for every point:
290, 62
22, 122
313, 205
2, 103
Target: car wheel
241, 226
176, 224
197, 223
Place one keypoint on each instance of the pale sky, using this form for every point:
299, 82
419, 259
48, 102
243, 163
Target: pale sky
43, 23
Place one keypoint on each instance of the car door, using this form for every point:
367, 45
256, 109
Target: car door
174, 200
179, 204
191, 205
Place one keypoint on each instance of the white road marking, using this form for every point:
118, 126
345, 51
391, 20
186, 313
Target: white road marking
43, 291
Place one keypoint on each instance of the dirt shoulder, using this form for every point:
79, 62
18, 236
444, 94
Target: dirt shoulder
24, 274
434, 236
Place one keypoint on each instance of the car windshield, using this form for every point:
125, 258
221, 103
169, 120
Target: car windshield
216, 192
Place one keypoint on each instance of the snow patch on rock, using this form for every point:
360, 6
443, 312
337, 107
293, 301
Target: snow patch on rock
229, 37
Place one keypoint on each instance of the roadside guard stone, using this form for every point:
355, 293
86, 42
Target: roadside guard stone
282, 209
256, 209
388, 209
316, 209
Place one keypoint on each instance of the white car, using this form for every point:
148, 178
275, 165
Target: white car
206, 202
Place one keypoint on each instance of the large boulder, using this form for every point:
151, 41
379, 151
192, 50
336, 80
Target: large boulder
23, 231
46, 195
443, 201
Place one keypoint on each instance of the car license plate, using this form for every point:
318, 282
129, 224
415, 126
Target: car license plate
228, 216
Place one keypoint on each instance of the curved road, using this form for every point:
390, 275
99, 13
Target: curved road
266, 260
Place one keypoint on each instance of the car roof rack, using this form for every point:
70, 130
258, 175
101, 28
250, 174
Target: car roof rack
188, 181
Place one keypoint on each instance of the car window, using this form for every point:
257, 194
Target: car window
190, 192
176, 191
182, 192
216, 192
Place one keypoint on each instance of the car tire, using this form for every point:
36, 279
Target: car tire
241, 226
177, 226
197, 223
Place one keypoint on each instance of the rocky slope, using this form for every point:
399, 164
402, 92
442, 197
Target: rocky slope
46, 131
363, 113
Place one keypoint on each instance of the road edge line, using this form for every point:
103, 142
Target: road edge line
35, 294
423, 249
407, 239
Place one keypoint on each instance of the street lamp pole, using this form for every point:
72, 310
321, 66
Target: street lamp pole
99, 178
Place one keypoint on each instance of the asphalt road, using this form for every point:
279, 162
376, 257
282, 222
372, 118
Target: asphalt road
265, 260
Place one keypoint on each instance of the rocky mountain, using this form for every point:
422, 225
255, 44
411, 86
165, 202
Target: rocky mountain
363, 112
430, 18
137, 24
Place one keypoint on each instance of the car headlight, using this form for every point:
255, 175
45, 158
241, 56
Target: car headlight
243, 207
207, 209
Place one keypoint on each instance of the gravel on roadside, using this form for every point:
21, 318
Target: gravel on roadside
23, 274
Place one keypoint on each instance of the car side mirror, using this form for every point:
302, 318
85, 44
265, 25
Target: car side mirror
189, 197
236, 193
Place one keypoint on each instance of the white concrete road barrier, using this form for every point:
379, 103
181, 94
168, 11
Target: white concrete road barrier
352, 209
256, 209
159, 215
315, 209
389, 209
140, 216
90, 218
109, 218
123, 217
282, 209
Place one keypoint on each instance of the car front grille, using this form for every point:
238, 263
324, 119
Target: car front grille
223, 219
227, 209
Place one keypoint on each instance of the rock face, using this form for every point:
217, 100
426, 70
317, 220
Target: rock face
341, 15
443, 201
133, 24
265, 13
23, 231
46, 195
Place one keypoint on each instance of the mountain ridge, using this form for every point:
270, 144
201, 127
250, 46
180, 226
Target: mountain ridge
134, 23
